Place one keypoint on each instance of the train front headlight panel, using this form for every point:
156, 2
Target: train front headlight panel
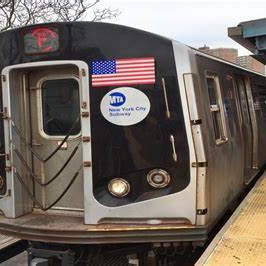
119, 187
158, 178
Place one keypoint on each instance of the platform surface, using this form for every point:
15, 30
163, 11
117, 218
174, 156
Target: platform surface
242, 241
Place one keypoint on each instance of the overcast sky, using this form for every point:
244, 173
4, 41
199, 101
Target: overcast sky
192, 22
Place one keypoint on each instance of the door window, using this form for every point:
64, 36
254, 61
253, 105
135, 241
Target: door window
216, 108
60, 106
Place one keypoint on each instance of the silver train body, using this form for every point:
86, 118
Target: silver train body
224, 114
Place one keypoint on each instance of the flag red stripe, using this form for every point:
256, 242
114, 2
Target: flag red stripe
149, 81
126, 73
135, 69
124, 78
134, 66
131, 60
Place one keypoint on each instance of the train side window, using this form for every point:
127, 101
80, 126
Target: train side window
60, 106
216, 108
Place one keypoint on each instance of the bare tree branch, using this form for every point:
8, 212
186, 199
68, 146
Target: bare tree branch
16, 13
106, 13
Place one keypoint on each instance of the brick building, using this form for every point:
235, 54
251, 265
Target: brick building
251, 63
231, 54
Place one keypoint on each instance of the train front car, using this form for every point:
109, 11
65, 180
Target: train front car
97, 133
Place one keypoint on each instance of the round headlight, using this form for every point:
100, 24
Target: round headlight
158, 178
119, 187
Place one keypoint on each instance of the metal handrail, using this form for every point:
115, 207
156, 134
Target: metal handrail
34, 198
19, 133
36, 178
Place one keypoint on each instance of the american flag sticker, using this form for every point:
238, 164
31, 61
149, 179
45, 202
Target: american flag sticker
123, 72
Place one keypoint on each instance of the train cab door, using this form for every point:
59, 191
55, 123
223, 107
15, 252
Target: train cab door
54, 104
246, 127
46, 106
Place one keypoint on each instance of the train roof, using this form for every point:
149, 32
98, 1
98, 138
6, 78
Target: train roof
154, 35
104, 24
213, 57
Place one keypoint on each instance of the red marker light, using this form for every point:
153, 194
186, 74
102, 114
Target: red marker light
41, 40
42, 34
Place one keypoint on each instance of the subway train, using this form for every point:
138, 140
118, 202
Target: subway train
114, 135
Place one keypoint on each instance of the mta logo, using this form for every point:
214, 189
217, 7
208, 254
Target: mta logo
117, 99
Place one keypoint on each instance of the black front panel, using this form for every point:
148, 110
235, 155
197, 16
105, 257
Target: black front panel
128, 152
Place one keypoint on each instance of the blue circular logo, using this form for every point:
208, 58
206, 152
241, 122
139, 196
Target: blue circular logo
117, 99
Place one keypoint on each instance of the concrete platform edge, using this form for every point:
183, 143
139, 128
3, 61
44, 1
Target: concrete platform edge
209, 250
